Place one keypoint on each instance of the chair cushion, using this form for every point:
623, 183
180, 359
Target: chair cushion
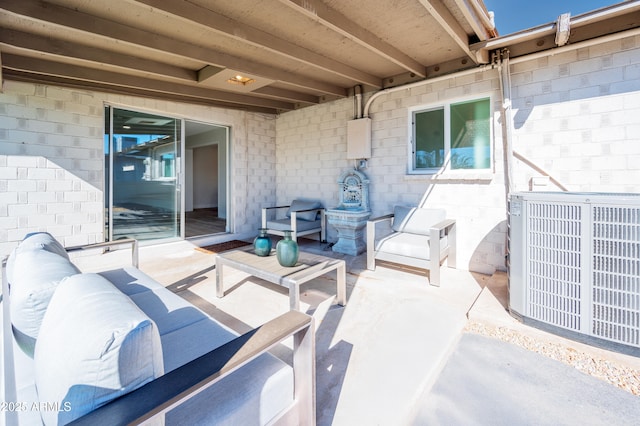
415, 220
405, 244
297, 205
131, 280
37, 273
186, 343
95, 344
285, 224
252, 395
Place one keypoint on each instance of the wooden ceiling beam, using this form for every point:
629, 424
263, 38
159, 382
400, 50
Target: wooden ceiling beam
75, 84
451, 26
35, 45
40, 66
289, 95
330, 18
191, 13
61, 48
479, 21
85, 23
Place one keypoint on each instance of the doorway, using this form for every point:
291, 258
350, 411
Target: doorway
206, 160
165, 177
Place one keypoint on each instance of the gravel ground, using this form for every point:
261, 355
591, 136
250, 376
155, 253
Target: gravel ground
614, 373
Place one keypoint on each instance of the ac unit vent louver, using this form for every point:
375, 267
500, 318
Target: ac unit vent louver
574, 263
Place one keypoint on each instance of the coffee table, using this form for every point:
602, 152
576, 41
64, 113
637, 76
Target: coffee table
309, 266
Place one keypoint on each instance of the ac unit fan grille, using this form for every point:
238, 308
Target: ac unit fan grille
554, 264
616, 274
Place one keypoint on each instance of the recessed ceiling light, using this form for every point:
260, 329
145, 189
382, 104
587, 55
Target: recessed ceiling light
238, 79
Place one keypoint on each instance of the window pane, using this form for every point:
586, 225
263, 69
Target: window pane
470, 133
429, 139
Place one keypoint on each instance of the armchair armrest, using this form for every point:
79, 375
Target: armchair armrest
448, 227
444, 225
265, 210
317, 209
381, 218
275, 207
371, 237
108, 245
169, 390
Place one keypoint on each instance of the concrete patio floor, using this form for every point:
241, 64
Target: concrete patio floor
379, 358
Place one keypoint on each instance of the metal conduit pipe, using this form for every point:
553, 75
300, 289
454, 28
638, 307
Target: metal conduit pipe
548, 29
508, 155
502, 60
357, 90
409, 86
532, 56
578, 45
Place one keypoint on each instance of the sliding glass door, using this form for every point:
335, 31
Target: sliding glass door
142, 175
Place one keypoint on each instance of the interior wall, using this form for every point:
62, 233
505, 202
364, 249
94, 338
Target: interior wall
218, 184
205, 177
222, 180
188, 180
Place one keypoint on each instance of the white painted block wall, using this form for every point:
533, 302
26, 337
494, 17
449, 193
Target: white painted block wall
51, 160
576, 116
312, 142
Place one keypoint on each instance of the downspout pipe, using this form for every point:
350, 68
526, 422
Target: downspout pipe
357, 90
502, 59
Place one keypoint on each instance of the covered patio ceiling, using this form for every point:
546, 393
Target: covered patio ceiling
260, 55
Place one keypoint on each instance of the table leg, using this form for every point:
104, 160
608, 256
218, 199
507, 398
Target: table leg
219, 283
341, 283
294, 296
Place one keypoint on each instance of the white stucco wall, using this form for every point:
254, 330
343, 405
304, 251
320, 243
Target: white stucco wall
576, 116
51, 160
311, 155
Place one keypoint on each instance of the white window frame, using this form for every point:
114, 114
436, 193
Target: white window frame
446, 106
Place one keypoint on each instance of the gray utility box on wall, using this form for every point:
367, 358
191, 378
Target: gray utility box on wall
574, 264
359, 139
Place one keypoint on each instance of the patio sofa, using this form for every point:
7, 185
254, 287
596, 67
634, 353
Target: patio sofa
116, 347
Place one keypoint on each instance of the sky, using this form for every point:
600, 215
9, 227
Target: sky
515, 15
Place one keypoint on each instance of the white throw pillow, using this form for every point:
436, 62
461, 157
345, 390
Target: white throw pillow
95, 345
415, 220
36, 277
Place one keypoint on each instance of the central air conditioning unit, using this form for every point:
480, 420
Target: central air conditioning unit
574, 265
